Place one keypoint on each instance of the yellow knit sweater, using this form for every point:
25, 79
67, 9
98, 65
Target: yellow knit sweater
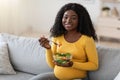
85, 57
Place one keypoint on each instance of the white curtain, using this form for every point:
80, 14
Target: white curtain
10, 16
35, 16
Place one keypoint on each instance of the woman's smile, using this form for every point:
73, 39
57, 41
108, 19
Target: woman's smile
68, 26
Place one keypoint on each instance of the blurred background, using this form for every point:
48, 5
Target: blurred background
35, 17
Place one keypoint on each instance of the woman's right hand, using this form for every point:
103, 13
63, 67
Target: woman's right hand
44, 42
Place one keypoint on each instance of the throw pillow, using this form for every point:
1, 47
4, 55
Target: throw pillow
117, 77
5, 65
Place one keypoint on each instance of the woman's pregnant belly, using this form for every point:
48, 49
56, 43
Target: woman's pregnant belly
68, 73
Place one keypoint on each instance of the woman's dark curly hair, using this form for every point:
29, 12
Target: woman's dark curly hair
85, 25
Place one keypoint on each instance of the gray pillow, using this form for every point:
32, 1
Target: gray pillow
109, 65
5, 65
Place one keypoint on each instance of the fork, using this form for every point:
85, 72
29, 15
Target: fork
55, 43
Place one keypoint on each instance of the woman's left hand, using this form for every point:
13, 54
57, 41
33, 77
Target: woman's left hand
67, 64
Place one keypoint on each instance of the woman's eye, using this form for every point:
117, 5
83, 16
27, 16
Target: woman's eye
65, 17
73, 18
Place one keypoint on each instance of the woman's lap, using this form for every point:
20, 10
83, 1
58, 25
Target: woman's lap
47, 76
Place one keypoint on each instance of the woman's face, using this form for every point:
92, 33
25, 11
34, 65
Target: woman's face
70, 20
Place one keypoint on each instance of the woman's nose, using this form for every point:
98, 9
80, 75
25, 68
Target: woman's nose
69, 20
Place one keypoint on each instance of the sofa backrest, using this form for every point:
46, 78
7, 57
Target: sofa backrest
109, 63
26, 54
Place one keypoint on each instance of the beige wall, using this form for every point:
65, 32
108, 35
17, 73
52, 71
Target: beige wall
35, 16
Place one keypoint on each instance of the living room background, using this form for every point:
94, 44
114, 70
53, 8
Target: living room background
35, 16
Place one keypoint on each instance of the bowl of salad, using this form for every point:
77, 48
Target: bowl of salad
62, 58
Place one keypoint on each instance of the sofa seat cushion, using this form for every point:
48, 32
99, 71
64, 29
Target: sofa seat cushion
26, 54
17, 76
109, 63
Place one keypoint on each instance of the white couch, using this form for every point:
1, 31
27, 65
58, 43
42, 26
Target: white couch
27, 59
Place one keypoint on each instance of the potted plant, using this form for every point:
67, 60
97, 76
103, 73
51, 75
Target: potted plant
105, 11
105, 8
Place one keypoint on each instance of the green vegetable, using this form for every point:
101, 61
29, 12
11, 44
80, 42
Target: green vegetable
62, 58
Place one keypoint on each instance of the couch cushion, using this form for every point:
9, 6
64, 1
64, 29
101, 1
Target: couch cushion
26, 54
109, 64
18, 76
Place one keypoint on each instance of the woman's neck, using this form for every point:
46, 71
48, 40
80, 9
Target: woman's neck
72, 36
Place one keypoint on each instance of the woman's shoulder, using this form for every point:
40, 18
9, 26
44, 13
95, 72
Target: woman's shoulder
87, 38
